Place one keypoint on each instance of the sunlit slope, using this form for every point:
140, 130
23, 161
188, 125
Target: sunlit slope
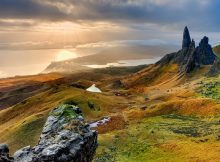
156, 116
216, 50
163, 138
167, 126
22, 123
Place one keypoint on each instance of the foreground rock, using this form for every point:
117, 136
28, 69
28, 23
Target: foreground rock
65, 138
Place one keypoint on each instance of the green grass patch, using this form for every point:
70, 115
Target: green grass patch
65, 110
216, 50
210, 89
25, 133
143, 140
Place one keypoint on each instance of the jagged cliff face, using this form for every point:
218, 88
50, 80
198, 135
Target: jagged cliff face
204, 53
190, 57
65, 138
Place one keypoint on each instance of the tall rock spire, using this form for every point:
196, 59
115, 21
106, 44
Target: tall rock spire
186, 38
204, 53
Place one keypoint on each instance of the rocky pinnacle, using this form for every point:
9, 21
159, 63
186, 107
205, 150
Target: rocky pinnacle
186, 38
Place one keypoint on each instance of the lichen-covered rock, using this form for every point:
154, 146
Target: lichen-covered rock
66, 137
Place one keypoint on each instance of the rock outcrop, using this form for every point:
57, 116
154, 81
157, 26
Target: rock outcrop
65, 138
186, 38
204, 53
215, 69
190, 57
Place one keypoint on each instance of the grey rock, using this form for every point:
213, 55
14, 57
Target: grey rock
190, 57
204, 54
215, 69
4, 154
50, 124
186, 38
4, 148
24, 154
66, 137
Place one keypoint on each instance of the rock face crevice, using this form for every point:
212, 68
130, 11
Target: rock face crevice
190, 57
66, 137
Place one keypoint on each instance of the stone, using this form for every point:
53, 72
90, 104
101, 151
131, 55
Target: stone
66, 137
186, 38
215, 69
190, 57
204, 53
24, 154
4, 148
4, 154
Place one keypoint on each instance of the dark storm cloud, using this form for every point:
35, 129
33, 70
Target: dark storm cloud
200, 14
28, 9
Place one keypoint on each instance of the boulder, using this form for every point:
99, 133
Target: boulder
66, 137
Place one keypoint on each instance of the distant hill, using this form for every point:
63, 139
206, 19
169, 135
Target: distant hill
216, 50
110, 55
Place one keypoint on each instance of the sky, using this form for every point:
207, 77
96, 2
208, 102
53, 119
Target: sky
35, 32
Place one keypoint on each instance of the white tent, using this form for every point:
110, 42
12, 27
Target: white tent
93, 88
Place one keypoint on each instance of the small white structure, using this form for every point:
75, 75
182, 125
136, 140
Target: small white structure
93, 88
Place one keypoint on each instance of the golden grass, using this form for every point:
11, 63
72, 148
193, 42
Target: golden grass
15, 81
13, 119
196, 152
152, 139
197, 107
116, 123
167, 92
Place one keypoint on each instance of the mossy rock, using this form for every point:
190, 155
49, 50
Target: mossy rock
65, 110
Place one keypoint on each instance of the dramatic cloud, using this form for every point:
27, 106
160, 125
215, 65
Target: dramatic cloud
91, 25
197, 13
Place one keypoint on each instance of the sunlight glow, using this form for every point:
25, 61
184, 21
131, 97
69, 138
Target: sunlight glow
65, 55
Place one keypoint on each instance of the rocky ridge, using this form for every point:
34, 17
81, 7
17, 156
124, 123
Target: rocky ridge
65, 137
190, 57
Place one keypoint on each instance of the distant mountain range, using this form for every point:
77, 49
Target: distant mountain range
110, 55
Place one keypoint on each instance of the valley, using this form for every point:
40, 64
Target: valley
167, 111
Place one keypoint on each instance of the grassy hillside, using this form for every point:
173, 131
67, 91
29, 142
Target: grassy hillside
164, 138
27, 118
159, 115
216, 50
